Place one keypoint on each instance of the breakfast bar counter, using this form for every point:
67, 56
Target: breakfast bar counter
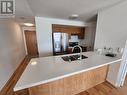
48, 72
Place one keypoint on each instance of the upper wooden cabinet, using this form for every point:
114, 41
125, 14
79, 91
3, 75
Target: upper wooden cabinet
71, 30
60, 28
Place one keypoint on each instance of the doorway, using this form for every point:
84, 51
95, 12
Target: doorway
31, 43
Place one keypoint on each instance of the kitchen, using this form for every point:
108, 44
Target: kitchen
66, 37
67, 68
76, 52
78, 32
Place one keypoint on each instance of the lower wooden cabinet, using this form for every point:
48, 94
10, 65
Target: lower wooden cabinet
22, 92
72, 85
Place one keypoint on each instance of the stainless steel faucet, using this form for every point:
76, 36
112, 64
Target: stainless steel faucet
80, 50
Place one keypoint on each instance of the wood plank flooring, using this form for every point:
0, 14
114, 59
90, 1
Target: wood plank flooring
8, 88
106, 89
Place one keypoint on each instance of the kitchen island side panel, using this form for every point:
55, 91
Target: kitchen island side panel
72, 85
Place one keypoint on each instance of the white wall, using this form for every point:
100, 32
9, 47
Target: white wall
90, 32
112, 27
12, 49
44, 33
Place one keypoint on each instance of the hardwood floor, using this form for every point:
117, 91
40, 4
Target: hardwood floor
8, 88
106, 89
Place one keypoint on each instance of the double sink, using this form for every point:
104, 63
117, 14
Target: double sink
73, 57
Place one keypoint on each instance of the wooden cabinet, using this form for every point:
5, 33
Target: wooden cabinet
82, 33
72, 85
60, 28
56, 28
71, 30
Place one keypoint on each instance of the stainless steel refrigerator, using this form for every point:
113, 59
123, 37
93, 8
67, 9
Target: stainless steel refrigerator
60, 43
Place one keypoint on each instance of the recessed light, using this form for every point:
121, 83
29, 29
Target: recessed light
28, 24
74, 16
33, 63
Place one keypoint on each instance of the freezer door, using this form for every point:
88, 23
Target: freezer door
57, 42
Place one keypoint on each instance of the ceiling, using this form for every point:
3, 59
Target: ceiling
86, 9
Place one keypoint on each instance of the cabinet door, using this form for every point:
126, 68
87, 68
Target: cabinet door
60, 28
80, 31
56, 28
64, 29
81, 34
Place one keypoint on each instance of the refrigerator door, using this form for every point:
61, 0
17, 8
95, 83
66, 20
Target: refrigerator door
57, 42
65, 41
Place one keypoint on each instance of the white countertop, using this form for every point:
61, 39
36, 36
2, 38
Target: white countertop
52, 68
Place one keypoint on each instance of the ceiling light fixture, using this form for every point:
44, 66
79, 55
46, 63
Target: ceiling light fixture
74, 16
28, 24
33, 63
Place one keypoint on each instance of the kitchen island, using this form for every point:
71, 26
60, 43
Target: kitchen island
54, 76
